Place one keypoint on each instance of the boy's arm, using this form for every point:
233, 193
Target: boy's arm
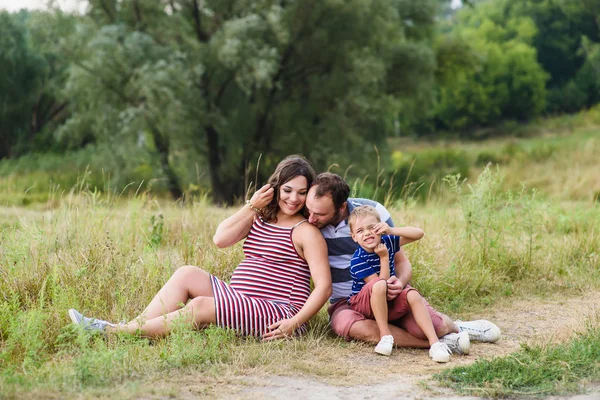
408, 234
361, 270
384, 261
370, 278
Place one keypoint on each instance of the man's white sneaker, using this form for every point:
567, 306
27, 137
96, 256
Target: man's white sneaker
385, 345
439, 352
458, 343
480, 330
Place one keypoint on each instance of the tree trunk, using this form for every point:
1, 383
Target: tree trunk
4, 146
223, 192
162, 146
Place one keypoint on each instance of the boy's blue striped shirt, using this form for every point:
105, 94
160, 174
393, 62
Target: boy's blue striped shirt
364, 264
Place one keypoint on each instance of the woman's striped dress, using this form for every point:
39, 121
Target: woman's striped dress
271, 283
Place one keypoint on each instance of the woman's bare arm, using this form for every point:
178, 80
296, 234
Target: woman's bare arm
314, 251
237, 227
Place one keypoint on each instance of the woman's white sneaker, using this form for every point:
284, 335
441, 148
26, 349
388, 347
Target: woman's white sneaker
88, 324
385, 345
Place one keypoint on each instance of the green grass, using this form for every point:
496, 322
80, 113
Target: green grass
556, 156
535, 370
108, 256
489, 240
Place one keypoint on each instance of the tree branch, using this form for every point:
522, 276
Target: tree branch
107, 11
200, 34
90, 71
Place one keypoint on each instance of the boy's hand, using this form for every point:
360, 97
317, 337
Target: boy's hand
381, 250
381, 228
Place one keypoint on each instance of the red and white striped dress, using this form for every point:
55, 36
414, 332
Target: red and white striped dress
271, 283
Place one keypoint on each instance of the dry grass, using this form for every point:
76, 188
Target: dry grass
108, 256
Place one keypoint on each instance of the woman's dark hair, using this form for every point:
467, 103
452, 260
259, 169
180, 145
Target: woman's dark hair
288, 169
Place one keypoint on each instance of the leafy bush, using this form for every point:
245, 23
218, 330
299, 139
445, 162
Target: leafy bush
414, 175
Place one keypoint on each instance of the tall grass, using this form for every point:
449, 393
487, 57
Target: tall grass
495, 243
557, 157
108, 255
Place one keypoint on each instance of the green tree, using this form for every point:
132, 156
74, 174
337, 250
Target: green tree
487, 69
51, 108
233, 79
19, 81
561, 25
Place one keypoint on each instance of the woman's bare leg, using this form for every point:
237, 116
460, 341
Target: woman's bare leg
199, 312
186, 283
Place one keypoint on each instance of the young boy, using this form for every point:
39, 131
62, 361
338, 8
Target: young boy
371, 265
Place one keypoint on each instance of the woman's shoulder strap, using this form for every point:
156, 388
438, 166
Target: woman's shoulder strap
304, 220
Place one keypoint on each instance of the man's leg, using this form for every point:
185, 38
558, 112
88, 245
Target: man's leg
367, 331
441, 323
351, 325
445, 328
449, 325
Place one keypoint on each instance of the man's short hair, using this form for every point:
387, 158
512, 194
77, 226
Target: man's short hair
327, 183
361, 212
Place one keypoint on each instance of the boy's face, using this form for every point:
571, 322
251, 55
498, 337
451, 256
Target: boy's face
362, 233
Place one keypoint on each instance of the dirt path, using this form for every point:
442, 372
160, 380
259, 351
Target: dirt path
407, 372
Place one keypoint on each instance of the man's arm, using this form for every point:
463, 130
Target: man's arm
403, 267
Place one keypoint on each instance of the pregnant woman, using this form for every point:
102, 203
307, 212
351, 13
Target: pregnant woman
269, 294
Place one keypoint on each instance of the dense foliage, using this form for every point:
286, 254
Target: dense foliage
187, 95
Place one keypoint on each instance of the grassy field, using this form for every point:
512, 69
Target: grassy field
535, 370
489, 239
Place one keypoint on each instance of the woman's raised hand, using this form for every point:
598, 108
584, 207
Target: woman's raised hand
262, 197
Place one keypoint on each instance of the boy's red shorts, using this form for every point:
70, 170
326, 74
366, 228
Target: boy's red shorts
343, 316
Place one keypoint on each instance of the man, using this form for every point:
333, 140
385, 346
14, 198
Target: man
329, 206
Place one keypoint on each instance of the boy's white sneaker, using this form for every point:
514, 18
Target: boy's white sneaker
385, 345
480, 330
458, 343
439, 352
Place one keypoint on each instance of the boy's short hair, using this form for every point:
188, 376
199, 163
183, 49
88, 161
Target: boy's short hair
360, 212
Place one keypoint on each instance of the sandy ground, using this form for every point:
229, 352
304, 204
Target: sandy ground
407, 373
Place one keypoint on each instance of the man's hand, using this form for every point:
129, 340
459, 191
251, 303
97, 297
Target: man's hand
381, 250
394, 286
381, 228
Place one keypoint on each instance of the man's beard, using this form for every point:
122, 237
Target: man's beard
337, 217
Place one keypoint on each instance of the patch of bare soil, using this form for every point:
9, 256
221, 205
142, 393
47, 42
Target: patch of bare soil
407, 373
